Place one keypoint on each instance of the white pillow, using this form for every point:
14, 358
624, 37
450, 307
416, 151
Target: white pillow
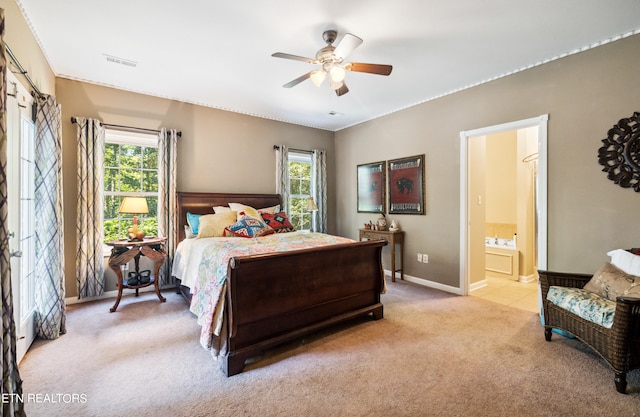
626, 261
221, 209
188, 232
270, 210
248, 210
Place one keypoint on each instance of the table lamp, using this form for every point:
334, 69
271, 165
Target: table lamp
135, 206
311, 204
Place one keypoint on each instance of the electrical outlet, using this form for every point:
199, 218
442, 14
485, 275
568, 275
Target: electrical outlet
425, 258
419, 257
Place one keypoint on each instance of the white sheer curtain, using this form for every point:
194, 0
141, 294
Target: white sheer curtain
89, 225
50, 307
282, 175
167, 222
319, 189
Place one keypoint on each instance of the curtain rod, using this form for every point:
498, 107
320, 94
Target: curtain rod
133, 128
22, 71
294, 150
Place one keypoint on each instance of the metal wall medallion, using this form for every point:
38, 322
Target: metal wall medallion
620, 154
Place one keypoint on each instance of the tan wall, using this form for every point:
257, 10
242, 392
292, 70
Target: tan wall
219, 151
501, 177
584, 95
477, 208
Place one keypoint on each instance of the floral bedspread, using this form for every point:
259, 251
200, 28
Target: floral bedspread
208, 302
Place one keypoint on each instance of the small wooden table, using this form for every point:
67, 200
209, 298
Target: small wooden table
124, 250
393, 238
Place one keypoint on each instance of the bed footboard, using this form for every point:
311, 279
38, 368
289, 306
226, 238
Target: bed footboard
274, 298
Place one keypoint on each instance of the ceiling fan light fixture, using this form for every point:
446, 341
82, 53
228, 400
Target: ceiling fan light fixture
317, 77
331, 58
337, 74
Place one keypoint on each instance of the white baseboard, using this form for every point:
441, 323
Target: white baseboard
477, 285
527, 278
427, 283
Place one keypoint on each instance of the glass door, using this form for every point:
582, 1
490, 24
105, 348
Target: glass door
21, 191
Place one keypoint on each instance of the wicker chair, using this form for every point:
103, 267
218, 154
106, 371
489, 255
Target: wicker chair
618, 346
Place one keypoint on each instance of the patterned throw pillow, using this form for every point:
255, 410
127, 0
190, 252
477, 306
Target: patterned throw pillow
279, 222
611, 282
249, 227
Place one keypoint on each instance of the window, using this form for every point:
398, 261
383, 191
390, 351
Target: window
130, 169
299, 189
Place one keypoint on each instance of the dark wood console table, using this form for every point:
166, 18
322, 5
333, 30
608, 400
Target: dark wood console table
393, 238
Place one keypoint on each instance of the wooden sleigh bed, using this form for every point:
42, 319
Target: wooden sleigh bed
276, 297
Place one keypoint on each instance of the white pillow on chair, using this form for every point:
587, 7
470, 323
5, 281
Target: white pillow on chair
626, 261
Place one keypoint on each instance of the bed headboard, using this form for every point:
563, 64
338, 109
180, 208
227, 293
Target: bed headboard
203, 203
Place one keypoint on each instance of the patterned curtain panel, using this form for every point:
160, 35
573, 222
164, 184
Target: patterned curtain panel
50, 314
167, 222
319, 167
11, 382
282, 176
89, 226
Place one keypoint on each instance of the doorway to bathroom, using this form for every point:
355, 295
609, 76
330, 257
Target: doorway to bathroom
503, 209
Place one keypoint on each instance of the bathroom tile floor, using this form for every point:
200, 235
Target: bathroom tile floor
512, 293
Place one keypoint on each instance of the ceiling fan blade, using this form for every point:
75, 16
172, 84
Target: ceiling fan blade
342, 90
348, 43
297, 80
294, 57
370, 68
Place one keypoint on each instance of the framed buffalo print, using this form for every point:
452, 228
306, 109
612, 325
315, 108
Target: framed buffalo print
371, 187
406, 185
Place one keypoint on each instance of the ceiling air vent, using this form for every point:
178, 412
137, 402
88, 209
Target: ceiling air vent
121, 61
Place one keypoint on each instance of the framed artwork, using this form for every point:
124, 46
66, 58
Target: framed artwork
371, 187
406, 185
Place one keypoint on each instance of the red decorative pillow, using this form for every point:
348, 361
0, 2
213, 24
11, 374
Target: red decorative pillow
278, 222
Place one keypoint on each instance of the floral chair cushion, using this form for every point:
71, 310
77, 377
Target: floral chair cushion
584, 304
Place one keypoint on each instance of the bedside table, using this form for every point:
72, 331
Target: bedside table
124, 250
392, 238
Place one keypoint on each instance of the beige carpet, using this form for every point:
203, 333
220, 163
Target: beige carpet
434, 354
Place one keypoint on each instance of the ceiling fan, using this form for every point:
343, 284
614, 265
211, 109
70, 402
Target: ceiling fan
331, 58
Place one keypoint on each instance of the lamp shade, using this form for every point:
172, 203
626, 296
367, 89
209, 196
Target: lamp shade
335, 85
318, 77
134, 205
337, 74
311, 204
